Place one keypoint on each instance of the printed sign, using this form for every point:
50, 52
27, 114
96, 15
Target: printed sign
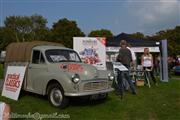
92, 50
72, 67
13, 81
118, 65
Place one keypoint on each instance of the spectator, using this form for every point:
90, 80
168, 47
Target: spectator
157, 65
178, 60
170, 65
147, 63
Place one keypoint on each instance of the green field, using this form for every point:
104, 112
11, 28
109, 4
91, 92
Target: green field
157, 103
160, 102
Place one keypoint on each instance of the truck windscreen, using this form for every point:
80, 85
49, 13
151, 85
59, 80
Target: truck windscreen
58, 55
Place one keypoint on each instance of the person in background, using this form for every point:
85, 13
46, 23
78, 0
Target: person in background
4, 111
174, 61
133, 63
170, 65
178, 60
147, 63
157, 65
125, 58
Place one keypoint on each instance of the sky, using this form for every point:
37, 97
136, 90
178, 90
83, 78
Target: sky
128, 16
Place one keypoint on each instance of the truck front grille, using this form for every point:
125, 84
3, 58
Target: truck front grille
95, 86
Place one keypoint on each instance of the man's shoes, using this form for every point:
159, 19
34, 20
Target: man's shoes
134, 93
118, 93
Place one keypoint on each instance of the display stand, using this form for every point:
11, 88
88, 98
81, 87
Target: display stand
142, 75
119, 68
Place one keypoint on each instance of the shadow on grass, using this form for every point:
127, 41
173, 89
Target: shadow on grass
25, 93
80, 101
74, 101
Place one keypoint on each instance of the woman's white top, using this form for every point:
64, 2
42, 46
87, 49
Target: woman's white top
147, 60
2, 106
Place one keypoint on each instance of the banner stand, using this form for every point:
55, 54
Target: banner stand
163, 61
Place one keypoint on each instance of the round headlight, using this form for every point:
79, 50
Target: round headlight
75, 78
111, 77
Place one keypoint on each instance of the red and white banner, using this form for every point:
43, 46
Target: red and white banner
92, 50
13, 81
135, 49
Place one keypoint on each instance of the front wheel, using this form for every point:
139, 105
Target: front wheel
56, 96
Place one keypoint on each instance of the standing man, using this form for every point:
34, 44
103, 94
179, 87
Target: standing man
125, 57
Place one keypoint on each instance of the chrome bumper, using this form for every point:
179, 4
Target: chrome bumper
88, 93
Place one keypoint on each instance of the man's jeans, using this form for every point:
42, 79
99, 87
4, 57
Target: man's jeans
125, 75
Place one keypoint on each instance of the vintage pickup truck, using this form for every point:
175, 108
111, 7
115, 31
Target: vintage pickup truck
57, 71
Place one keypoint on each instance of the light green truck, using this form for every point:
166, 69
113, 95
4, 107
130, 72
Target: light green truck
57, 71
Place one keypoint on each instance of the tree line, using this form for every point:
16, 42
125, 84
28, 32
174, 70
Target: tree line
30, 28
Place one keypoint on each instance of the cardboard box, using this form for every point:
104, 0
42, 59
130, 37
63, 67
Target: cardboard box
140, 82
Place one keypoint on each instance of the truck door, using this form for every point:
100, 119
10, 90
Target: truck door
36, 72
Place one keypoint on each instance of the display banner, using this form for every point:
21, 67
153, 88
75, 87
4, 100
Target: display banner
135, 49
163, 62
92, 50
13, 81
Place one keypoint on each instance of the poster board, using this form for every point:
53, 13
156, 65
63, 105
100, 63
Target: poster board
118, 65
92, 50
13, 81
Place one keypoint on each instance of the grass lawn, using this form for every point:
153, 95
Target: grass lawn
157, 103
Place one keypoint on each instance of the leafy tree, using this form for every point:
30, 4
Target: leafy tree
19, 26
138, 35
38, 21
64, 30
39, 29
24, 28
173, 39
6, 37
100, 33
43, 34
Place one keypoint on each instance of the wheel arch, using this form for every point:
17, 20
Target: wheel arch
52, 81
